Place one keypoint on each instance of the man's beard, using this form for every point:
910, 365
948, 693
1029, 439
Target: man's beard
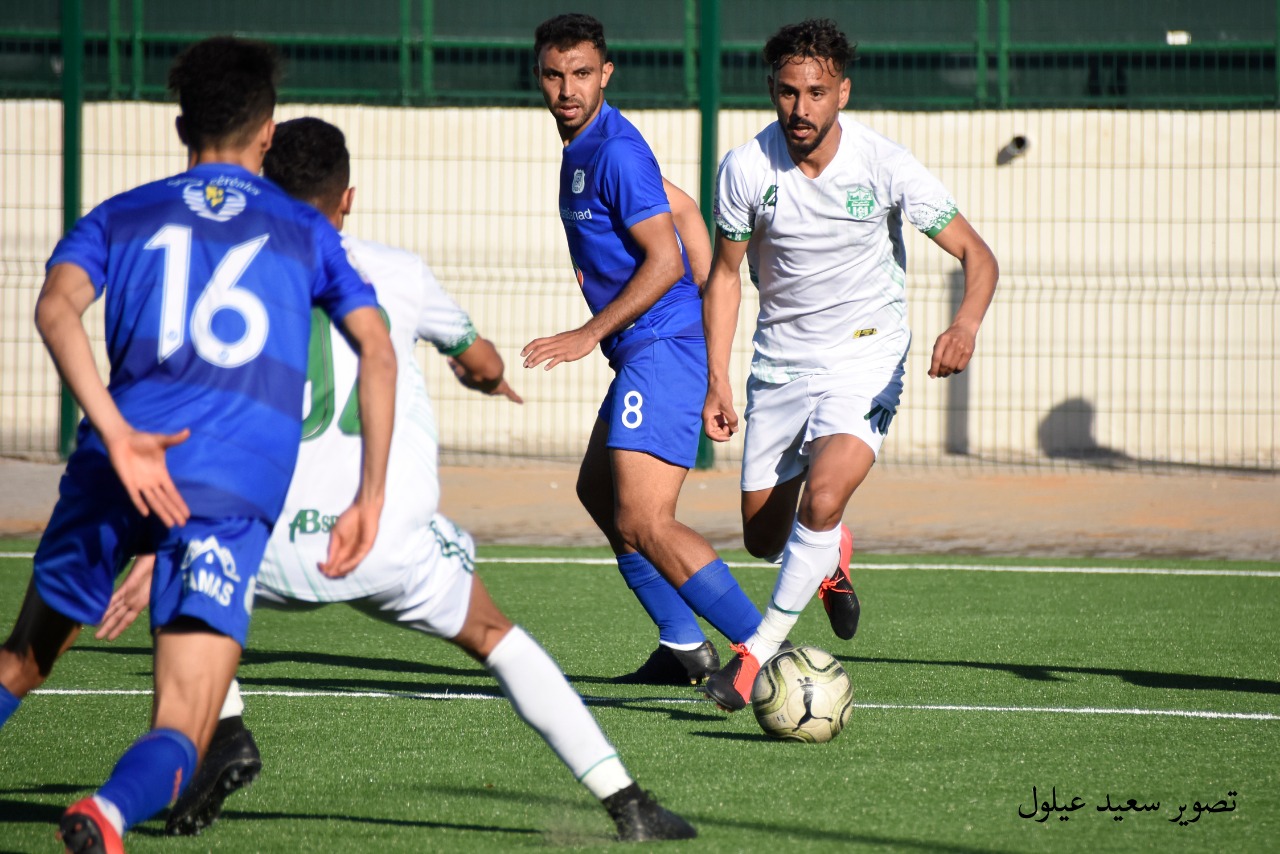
807, 147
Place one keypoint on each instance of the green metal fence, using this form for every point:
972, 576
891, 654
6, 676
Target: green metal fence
1137, 321
914, 54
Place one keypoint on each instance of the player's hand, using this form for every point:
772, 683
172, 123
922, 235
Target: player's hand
508, 392
129, 600
952, 351
565, 347
138, 459
719, 420
501, 387
351, 538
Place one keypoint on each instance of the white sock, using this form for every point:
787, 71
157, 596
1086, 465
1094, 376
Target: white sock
543, 699
771, 632
232, 705
112, 814
806, 561
683, 647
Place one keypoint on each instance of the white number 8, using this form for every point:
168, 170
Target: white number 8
632, 417
219, 294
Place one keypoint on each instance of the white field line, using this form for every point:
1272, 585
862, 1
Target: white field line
615, 701
938, 567
959, 567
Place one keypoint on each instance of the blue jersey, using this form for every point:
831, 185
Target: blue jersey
209, 278
609, 181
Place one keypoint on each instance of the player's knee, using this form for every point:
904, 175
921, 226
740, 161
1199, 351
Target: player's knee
822, 509
638, 527
763, 544
20, 674
480, 640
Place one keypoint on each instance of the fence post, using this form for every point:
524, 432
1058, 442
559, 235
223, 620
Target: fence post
72, 109
708, 160
428, 51
405, 53
1002, 52
981, 49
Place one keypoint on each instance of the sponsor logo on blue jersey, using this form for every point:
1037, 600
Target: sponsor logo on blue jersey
209, 568
571, 215
219, 199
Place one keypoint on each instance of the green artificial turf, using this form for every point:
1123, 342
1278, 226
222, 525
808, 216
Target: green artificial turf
972, 687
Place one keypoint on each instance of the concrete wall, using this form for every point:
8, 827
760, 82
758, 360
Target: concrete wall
1137, 316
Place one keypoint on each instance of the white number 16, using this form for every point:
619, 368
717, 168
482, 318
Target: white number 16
220, 293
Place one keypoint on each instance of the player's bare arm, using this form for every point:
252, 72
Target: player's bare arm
356, 529
954, 347
662, 267
693, 231
721, 300
138, 458
480, 367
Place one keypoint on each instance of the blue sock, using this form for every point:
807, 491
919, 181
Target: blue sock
8, 704
676, 623
150, 775
714, 595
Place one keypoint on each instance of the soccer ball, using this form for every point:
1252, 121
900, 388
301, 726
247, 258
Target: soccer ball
802, 694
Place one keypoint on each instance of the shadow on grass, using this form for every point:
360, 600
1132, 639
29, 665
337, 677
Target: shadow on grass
1140, 678
14, 811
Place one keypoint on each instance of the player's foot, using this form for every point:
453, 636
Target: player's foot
667, 666
837, 593
640, 818
83, 829
231, 763
730, 686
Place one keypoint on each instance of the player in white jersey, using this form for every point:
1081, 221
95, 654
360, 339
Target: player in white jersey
420, 572
816, 204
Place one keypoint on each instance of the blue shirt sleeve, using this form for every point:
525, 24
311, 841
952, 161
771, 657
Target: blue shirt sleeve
85, 245
630, 180
340, 287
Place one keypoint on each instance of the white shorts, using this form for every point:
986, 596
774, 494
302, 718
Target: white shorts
783, 418
432, 595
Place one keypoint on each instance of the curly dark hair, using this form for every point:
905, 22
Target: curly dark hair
565, 31
816, 38
226, 88
308, 159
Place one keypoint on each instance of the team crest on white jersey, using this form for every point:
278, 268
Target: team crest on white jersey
212, 201
860, 202
579, 180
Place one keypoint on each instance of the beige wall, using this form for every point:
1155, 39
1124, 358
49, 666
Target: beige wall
1138, 309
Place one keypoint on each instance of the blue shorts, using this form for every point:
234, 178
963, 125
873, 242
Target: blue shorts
205, 569
654, 404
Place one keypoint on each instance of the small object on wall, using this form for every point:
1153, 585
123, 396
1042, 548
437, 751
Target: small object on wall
1014, 149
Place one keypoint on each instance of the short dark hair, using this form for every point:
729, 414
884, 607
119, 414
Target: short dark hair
226, 88
816, 38
565, 31
308, 159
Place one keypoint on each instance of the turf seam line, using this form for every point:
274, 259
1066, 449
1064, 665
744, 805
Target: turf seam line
608, 701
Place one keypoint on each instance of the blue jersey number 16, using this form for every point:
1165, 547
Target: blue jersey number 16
219, 294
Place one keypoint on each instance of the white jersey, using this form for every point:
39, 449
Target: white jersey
328, 472
827, 254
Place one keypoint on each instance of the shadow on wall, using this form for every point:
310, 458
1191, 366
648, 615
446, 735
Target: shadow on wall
1066, 433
